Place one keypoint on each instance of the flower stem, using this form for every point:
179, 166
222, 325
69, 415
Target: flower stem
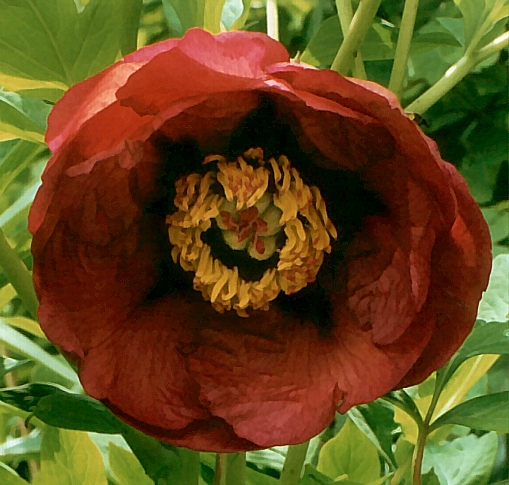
293, 464
424, 431
230, 469
359, 26
403, 46
272, 19
456, 73
345, 14
18, 275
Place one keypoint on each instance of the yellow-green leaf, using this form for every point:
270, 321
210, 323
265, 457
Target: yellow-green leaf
350, 453
69, 458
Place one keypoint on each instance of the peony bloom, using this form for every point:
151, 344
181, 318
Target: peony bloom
232, 246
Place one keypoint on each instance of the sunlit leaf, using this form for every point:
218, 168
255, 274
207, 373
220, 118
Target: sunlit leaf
9, 477
9, 365
490, 413
23, 345
464, 461
126, 468
462, 380
7, 293
494, 305
26, 324
235, 13
350, 453
69, 458
22, 448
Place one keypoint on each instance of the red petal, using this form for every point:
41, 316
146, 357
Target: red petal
461, 264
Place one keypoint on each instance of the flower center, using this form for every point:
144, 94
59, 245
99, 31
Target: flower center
261, 208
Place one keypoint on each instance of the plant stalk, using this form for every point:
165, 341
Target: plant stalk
345, 14
230, 469
294, 462
455, 74
352, 41
403, 46
423, 433
18, 275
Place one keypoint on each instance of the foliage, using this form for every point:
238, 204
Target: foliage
456, 421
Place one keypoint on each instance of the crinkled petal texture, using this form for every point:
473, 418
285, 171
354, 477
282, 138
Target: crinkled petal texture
401, 302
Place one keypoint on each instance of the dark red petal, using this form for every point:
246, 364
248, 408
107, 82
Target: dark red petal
88, 97
461, 264
226, 65
175, 368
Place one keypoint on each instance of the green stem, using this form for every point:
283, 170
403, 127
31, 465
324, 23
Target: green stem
345, 14
18, 275
423, 433
359, 26
403, 46
294, 462
455, 74
230, 469
272, 19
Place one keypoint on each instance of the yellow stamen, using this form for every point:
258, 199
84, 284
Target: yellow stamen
249, 218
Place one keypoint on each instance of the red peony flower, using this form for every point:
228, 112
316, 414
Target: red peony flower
233, 246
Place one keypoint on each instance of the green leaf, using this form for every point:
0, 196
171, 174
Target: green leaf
23, 345
18, 211
485, 338
69, 458
22, 117
63, 46
126, 468
130, 16
376, 421
489, 413
494, 305
350, 453
473, 12
62, 409
323, 47
164, 464
430, 478
464, 461
197, 13
20, 155
9, 477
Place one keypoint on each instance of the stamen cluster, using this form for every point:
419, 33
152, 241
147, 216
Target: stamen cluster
259, 207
